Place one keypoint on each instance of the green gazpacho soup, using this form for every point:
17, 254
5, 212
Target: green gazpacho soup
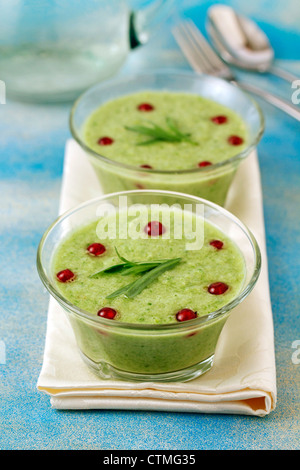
156, 278
162, 132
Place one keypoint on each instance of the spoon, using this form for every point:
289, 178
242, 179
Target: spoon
241, 43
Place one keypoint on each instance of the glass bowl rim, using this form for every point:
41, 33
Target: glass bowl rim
191, 324
166, 72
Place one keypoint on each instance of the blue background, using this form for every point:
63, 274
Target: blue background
32, 139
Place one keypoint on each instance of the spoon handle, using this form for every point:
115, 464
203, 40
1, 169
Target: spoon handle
280, 103
284, 74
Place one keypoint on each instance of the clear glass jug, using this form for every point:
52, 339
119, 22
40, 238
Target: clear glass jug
52, 50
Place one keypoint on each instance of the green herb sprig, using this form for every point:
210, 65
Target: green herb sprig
158, 134
151, 270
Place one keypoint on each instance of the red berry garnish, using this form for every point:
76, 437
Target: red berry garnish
217, 288
185, 314
107, 312
204, 163
149, 167
66, 275
218, 244
105, 140
219, 119
96, 249
145, 107
235, 140
154, 228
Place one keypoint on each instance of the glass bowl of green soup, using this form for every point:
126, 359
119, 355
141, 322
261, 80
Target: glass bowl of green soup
173, 131
148, 280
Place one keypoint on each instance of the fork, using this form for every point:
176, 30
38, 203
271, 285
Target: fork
204, 59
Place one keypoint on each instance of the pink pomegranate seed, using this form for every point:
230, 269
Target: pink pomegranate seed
218, 244
66, 275
146, 107
204, 163
217, 288
185, 314
105, 140
154, 228
235, 140
96, 249
219, 119
107, 312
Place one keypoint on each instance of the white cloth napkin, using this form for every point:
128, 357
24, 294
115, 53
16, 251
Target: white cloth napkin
243, 377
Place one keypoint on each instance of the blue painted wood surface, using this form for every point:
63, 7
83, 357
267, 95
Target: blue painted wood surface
32, 140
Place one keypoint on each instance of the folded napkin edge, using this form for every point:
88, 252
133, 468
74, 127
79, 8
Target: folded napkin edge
254, 397
259, 406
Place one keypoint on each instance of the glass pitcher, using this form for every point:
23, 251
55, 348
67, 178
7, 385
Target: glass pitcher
52, 50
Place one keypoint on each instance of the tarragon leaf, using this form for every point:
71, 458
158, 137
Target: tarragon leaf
170, 134
136, 287
150, 270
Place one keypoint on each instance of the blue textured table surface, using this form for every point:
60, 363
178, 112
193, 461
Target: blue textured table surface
32, 143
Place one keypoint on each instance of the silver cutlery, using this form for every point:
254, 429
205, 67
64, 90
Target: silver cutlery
204, 59
241, 42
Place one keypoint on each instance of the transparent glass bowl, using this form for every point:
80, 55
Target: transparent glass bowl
143, 352
210, 182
